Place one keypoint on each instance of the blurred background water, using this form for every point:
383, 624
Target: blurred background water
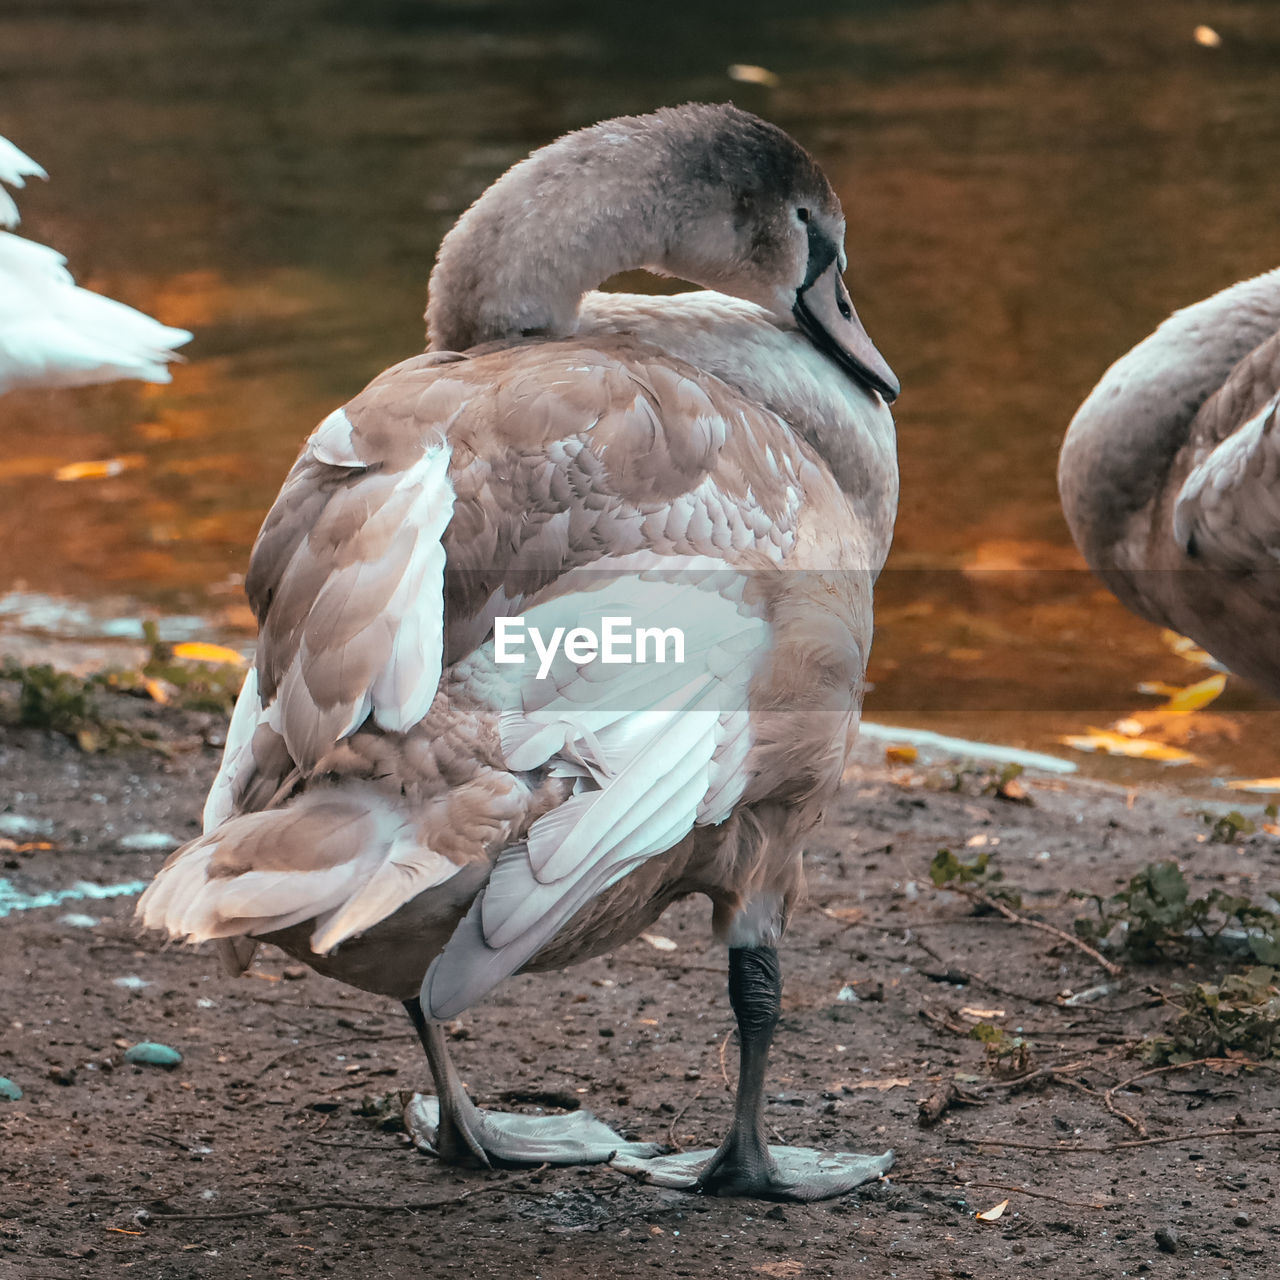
1031, 187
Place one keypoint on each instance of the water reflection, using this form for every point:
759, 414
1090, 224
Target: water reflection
1030, 189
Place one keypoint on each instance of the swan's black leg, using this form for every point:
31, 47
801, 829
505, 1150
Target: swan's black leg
456, 1139
744, 1164
452, 1127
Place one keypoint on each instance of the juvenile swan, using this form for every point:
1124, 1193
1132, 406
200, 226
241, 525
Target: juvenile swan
1170, 477
52, 332
409, 805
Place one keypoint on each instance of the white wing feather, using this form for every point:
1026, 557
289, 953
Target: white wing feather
657, 749
237, 755
399, 692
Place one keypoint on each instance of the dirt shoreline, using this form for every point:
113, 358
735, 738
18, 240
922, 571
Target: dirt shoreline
276, 1103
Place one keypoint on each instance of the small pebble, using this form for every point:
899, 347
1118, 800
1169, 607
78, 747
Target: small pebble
130, 982
693, 1074
62, 1075
16, 827
1167, 1239
294, 972
1241, 1219
148, 842
150, 1054
77, 920
9, 1092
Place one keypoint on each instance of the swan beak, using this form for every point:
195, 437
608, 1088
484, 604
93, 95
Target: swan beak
825, 314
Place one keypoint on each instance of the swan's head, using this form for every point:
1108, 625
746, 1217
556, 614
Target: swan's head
711, 194
754, 216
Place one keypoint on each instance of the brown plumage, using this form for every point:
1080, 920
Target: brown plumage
406, 811
1170, 473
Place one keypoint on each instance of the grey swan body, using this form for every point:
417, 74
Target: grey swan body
400, 811
1170, 477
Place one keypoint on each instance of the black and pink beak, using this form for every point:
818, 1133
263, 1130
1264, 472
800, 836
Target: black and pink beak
825, 315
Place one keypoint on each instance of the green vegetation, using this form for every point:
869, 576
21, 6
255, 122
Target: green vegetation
1238, 1016
1160, 919
193, 685
970, 871
1007, 1054
1225, 827
73, 705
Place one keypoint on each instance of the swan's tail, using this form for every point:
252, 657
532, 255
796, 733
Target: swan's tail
342, 858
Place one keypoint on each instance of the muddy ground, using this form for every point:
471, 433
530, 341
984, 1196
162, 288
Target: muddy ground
273, 1149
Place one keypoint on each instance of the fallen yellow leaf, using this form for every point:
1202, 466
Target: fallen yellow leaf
982, 1013
658, 942
1187, 648
1253, 784
198, 651
99, 469
846, 915
994, 1213
749, 74
156, 691
1012, 790
1184, 701
1115, 744
901, 755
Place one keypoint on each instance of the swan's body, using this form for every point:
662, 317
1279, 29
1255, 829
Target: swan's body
52, 332
408, 813
1170, 477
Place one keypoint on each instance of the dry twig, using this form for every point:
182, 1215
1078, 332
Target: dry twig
1137, 1124
675, 1120
994, 904
1007, 1186
724, 1070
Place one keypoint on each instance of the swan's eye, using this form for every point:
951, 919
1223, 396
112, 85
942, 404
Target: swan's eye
802, 214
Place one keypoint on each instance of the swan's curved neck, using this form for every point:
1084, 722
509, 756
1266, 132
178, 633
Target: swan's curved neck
571, 215
1124, 438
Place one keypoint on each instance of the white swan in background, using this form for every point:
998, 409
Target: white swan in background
1170, 477
403, 813
52, 332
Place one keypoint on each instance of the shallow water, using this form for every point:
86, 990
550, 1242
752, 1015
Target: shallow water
1030, 189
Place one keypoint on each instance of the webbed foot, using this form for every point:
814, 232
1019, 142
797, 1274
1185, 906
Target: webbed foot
499, 1138
783, 1173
